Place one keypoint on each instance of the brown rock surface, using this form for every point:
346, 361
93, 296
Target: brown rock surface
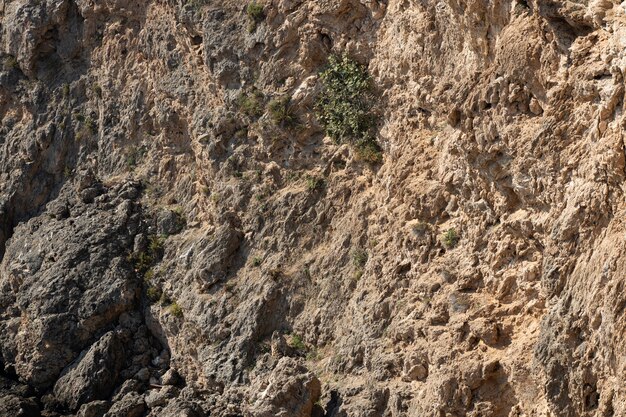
152, 191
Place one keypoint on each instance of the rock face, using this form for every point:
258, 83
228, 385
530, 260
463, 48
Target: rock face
179, 237
65, 278
94, 375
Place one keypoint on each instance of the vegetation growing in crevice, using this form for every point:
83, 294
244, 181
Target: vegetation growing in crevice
133, 156
175, 309
142, 261
281, 113
97, 90
359, 258
345, 106
450, 238
256, 14
295, 341
251, 103
153, 293
9, 62
314, 183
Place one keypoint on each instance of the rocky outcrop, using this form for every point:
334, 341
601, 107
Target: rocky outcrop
64, 278
94, 375
178, 235
289, 390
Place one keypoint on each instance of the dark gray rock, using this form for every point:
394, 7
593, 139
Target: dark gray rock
64, 280
16, 406
170, 377
130, 405
94, 375
170, 222
290, 390
160, 397
93, 409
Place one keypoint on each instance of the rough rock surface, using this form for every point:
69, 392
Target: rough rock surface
168, 249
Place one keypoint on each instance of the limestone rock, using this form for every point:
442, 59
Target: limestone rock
94, 375
289, 390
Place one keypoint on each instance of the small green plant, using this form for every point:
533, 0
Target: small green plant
155, 245
257, 261
359, 258
313, 355
314, 183
176, 310
181, 218
9, 62
67, 172
369, 151
90, 125
256, 15
133, 156
281, 112
87, 126
345, 106
450, 238
97, 90
149, 275
296, 342
66, 90
142, 261
251, 103
154, 293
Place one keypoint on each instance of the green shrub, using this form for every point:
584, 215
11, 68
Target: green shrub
9, 62
257, 261
181, 218
281, 112
153, 293
314, 183
176, 310
450, 238
149, 275
359, 258
345, 106
255, 12
97, 90
144, 260
369, 151
251, 103
296, 342
90, 125
155, 245
65, 90
133, 156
